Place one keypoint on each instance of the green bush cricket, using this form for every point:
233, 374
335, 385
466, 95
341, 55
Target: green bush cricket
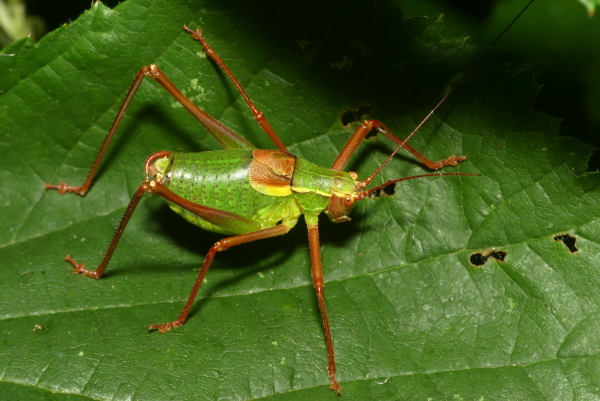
271, 188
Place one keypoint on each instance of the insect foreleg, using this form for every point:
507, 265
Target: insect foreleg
258, 115
219, 246
317, 276
367, 126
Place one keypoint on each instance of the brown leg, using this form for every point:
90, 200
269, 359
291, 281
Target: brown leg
317, 276
63, 188
80, 268
224, 135
215, 216
366, 126
258, 115
221, 245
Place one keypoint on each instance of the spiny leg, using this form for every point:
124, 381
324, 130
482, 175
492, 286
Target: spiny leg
215, 216
80, 268
317, 276
219, 246
62, 187
258, 115
224, 135
367, 126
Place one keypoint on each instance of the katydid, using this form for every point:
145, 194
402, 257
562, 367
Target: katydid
271, 188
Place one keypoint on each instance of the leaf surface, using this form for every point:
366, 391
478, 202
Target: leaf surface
411, 317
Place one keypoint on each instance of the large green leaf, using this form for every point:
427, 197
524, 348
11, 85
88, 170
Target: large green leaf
411, 317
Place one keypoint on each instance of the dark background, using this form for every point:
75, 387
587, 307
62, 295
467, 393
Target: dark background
568, 48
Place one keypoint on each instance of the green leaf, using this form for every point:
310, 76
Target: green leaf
411, 317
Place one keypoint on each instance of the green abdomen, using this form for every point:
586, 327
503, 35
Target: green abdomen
218, 179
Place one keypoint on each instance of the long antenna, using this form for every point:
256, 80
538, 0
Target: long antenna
364, 194
437, 106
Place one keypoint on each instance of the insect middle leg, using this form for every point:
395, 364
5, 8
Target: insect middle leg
219, 246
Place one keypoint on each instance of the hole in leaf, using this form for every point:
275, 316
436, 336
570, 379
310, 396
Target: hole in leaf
500, 256
479, 259
351, 116
569, 241
593, 162
371, 135
389, 190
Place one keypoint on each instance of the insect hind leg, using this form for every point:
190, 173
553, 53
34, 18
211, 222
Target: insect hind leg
258, 115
